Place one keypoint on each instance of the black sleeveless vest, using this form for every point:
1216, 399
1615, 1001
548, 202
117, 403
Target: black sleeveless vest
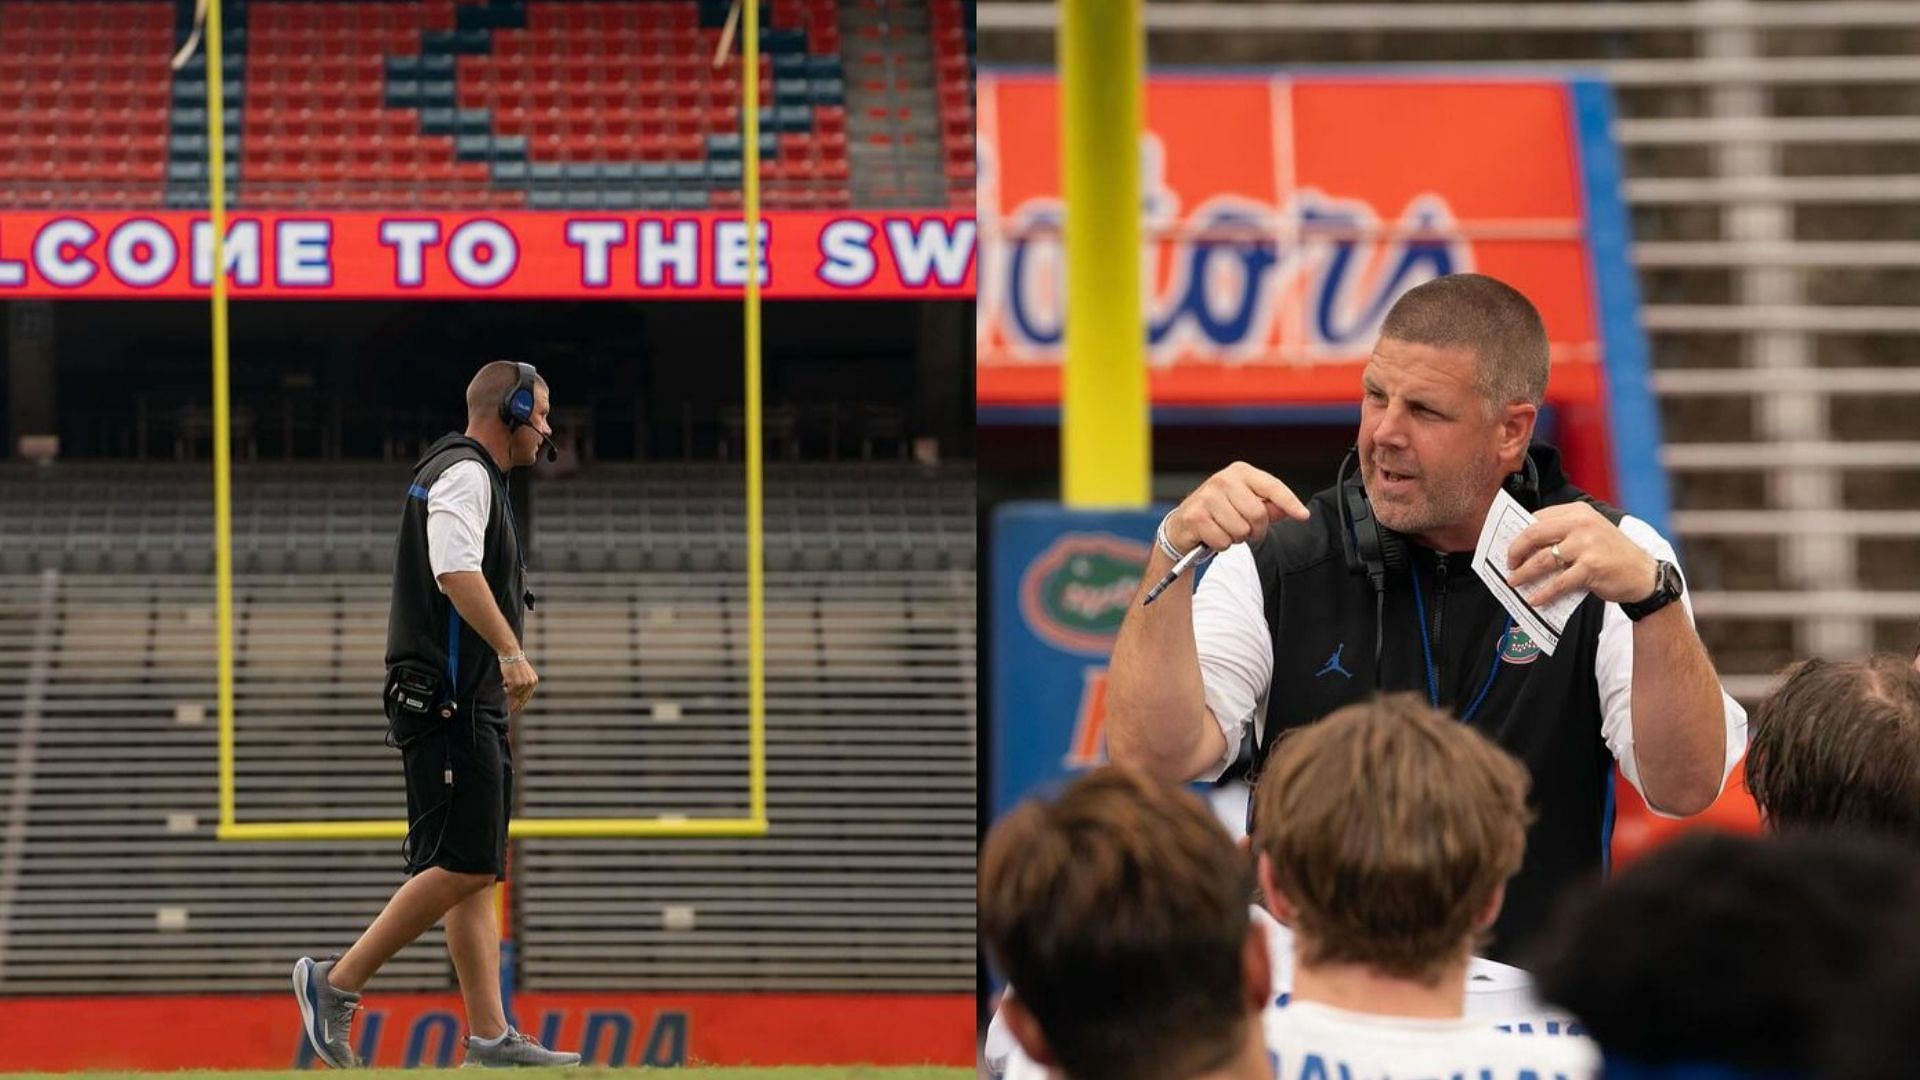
1545, 710
422, 625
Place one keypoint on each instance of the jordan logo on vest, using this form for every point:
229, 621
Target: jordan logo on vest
1333, 663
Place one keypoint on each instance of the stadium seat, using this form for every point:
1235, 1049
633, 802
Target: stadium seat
410, 92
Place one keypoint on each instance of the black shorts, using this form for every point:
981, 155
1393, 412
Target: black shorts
459, 826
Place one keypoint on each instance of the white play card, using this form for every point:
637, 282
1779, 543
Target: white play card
1506, 519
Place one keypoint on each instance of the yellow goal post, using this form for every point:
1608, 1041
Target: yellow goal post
755, 823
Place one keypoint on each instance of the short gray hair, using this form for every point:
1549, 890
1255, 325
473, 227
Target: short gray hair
1488, 316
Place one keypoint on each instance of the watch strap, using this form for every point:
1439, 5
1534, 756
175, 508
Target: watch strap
1667, 588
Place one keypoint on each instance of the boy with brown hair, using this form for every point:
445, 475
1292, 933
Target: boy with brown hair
1837, 745
1386, 835
1120, 911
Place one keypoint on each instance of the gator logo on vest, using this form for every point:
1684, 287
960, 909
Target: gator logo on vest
1075, 593
1518, 648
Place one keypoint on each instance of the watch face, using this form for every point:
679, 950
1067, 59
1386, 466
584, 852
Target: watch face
1667, 588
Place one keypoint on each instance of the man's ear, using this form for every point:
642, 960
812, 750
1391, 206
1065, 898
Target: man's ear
1256, 968
1277, 903
1516, 432
1026, 1030
1492, 909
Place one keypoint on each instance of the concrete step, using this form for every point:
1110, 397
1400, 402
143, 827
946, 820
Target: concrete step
895, 171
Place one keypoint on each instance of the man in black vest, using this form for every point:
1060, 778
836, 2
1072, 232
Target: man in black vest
1303, 613
455, 673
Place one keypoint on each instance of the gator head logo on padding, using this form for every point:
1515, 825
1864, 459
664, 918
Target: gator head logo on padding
1075, 593
1518, 648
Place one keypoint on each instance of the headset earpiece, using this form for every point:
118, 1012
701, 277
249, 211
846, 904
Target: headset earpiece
1524, 485
1370, 547
516, 408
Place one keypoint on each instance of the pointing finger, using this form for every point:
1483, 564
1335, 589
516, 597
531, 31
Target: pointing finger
1269, 487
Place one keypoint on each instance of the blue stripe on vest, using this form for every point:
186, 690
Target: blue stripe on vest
453, 650
417, 492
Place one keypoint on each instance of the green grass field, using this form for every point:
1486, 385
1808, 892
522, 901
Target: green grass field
792, 1072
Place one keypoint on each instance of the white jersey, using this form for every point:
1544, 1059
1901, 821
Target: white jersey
1307, 1040
1499, 999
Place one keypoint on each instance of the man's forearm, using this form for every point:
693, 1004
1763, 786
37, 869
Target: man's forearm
1679, 719
1156, 701
474, 601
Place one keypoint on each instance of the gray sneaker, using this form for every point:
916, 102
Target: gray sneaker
325, 1012
515, 1051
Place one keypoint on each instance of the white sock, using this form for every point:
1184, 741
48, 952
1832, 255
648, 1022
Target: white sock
493, 1042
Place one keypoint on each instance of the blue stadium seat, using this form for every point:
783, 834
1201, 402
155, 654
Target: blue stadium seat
490, 16
232, 65
732, 145
783, 41
403, 93
790, 92
194, 147
195, 119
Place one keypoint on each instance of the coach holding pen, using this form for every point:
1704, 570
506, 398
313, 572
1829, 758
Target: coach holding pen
456, 673
1369, 586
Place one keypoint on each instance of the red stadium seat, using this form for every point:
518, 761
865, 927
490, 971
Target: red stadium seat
585, 80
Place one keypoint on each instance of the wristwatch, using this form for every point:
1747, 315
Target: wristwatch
1666, 589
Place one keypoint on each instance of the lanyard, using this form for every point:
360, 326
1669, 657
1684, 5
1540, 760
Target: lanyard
1433, 671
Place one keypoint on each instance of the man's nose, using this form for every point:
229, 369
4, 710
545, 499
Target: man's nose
1391, 428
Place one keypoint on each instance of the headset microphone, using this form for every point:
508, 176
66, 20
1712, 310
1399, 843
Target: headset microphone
516, 408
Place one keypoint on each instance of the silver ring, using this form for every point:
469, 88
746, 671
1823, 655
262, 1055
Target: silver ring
1557, 558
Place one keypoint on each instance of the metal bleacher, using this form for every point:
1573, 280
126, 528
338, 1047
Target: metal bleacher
304, 518
111, 880
1771, 157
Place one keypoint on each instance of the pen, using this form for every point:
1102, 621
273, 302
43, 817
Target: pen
1179, 568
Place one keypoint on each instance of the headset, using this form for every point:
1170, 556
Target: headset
516, 407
